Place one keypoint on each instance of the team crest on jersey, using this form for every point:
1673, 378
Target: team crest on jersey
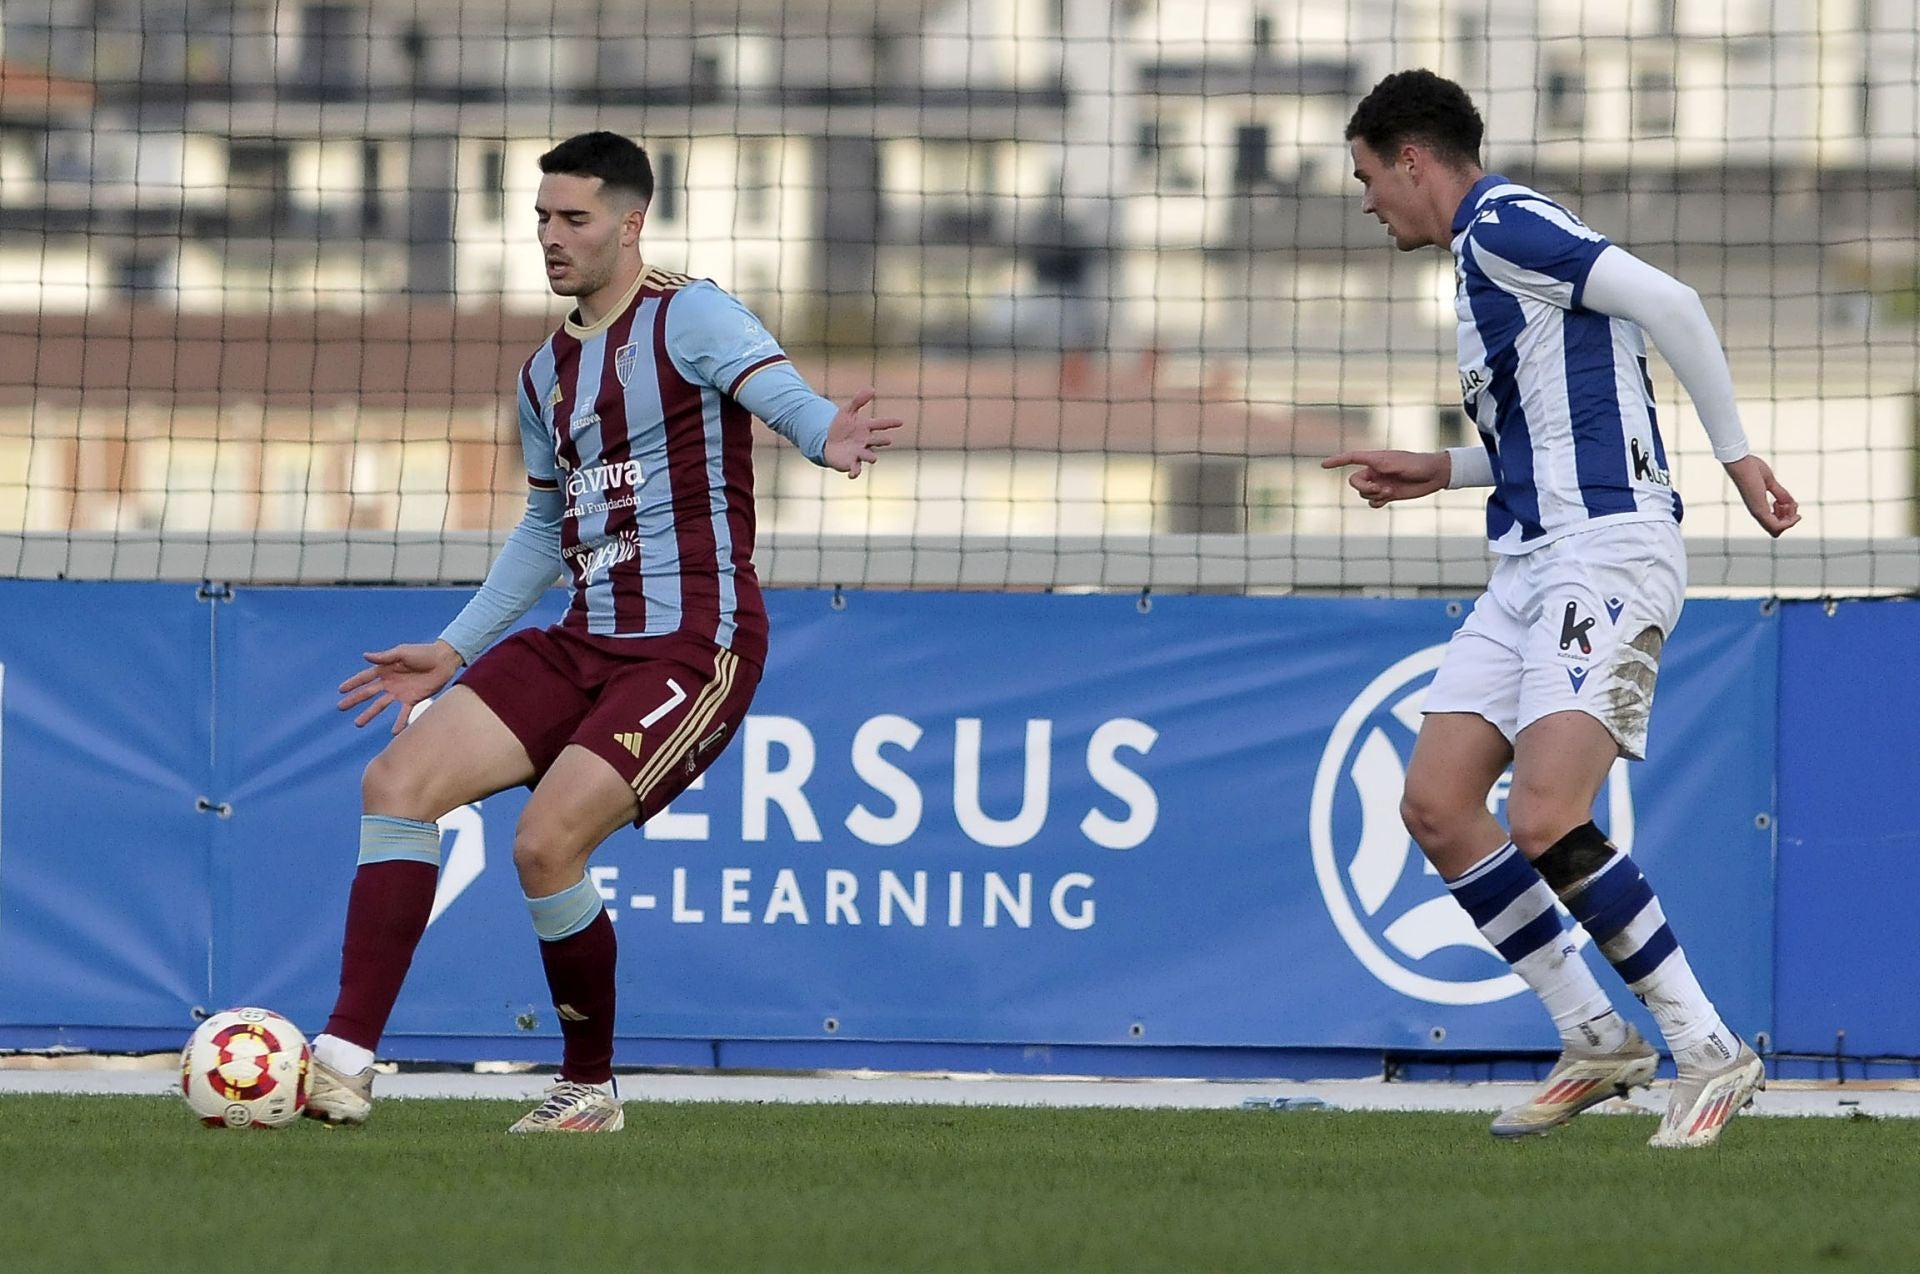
624, 360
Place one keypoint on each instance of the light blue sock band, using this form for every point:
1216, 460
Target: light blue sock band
566, 913
387, 840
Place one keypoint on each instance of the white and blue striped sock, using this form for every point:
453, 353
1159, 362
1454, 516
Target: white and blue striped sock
1618, 907
1514, 911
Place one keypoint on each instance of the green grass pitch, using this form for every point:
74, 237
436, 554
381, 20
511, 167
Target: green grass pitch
131, 1183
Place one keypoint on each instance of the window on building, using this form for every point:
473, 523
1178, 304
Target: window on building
1450, 428
1470, 35
413, 49
1164, 155
532, 59
756, 183
1653, 101
372, 202
946, 168
493, 184
666, 185
258, 182
1251, 162
139, 277
985, 173
956, 184
707, 75
69, 155
1146, 146
114, 37
1563, 101
1262, 32
333, 48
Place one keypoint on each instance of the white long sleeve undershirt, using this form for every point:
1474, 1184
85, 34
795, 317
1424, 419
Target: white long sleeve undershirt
1624, 286
1472, 467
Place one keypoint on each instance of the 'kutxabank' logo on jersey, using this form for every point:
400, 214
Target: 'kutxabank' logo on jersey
1388, 904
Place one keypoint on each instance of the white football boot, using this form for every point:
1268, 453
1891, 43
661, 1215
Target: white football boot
1701, 1105
339, 1098
571, 1107
1580, 1080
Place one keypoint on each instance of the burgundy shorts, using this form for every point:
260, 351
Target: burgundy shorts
657, 709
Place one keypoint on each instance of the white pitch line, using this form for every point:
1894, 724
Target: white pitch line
875, 1088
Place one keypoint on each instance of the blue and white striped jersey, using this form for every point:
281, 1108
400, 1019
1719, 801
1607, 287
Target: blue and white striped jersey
1560, 393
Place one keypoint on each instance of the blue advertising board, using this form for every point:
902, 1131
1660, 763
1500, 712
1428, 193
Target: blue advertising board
954, 819
106, 862
1847, 947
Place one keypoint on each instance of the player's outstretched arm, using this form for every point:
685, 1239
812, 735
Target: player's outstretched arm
400, 674
1672, 314
854, 440
1381, 477
1771, 504
716, 340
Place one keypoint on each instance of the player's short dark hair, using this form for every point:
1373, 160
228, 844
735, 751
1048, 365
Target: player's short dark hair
618, 161
1419, 107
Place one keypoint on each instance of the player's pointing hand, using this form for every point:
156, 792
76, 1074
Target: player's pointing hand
1382, 477
854, 440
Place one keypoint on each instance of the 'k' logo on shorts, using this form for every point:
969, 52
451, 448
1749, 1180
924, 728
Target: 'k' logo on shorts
1574, 629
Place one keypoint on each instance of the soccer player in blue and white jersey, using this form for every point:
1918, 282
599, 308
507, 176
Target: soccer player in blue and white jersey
1553, 671
636, 421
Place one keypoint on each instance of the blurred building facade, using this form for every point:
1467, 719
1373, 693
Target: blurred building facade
1160, 187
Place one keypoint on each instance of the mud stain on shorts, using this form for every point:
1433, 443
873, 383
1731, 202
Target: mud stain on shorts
1630, 697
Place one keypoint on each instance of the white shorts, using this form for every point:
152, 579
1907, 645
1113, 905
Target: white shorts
1576, 625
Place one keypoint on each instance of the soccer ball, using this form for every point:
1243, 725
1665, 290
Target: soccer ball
246, 1068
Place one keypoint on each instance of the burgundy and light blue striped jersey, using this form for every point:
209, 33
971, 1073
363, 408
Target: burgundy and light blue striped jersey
636, 419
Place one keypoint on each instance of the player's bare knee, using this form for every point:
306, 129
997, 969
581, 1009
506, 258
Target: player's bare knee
1418, 816
1435, 820
391, 786
541, 854
383, 787
1537, 822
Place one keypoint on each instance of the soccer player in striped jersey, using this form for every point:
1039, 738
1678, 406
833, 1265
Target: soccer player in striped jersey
635, 419
1553, 671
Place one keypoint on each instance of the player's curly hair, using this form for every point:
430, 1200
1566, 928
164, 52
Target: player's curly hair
1422, 108
618, 161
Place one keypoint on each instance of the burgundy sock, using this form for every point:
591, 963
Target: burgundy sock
580, 969
386, 914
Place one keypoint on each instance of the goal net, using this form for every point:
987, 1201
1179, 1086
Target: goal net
268, 271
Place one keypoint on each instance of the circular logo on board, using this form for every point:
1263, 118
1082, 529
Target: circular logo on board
1388, 904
